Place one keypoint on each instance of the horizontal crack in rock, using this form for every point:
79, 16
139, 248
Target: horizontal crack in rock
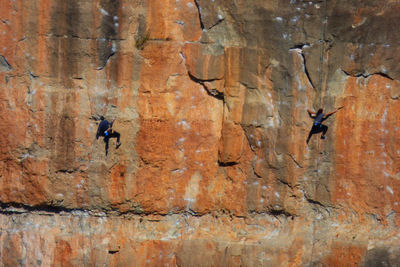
299, 46
227, 164
364, 75
212, 92
12, 208
276, 212
18, 208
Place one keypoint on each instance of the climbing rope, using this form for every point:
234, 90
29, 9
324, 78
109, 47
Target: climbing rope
322, 78
322, 89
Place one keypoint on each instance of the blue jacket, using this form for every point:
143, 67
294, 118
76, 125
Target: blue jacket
103, 126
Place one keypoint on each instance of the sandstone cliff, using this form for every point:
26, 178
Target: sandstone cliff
210, 98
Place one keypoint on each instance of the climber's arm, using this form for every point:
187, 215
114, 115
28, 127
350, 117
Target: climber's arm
311, 113
333, 112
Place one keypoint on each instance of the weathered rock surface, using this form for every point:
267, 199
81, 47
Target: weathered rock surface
210, 98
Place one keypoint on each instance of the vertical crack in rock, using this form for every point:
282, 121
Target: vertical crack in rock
199, 11
299, 50
208, 18
4, 65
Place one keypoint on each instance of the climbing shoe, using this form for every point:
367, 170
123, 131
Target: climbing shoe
322, 136
118, 145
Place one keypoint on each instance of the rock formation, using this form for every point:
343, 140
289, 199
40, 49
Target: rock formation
210, 98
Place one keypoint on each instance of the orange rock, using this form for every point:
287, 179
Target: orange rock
366, 165
210, 98
345, 256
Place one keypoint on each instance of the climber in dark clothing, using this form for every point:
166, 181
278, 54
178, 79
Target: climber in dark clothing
105, 130
319, 117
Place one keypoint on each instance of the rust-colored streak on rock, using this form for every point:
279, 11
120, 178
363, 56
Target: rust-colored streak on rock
12, 252
232, 136
173, 20
63, 254
24, 176
117, 185
232, 142
232, 64
44, 22
367, 147
178, 133
162, 63
65, 19
51, 150
24, 182
342, 255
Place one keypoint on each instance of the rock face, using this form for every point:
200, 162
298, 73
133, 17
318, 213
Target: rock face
211, 99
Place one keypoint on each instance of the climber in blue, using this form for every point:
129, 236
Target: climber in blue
319, 117
105, 130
